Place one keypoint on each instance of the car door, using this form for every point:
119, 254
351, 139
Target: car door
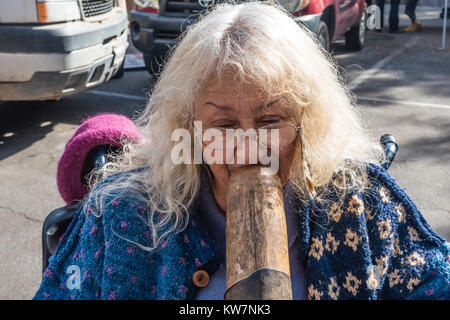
346, 11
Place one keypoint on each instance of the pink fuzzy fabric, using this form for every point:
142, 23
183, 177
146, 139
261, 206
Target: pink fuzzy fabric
99, 130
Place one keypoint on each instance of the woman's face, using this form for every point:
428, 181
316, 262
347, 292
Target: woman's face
224, 106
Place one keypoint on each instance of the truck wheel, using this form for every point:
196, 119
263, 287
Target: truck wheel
153, 64
356, 36
120, 71
324, 35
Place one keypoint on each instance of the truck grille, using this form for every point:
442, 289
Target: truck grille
92, 8
183, 7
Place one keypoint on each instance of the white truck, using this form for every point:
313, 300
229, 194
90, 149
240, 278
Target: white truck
53, 48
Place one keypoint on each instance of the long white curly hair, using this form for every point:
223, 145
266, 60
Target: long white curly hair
262, 44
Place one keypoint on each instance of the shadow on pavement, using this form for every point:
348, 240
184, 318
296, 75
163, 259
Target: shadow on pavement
22, 123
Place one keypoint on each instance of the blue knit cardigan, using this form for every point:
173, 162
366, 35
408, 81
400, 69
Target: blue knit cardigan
376, 245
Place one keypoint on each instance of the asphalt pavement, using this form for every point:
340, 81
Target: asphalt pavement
401, 81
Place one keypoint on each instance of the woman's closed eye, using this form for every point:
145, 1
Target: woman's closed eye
269, 121
230, 124
225, 125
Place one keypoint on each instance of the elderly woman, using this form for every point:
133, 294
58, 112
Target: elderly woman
156, 221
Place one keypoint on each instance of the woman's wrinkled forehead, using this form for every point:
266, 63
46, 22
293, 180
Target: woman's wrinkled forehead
228, 92
230, 85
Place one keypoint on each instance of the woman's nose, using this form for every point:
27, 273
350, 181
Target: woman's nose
246, 151
244, 154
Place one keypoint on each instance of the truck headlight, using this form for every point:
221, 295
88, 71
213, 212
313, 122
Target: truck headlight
293, 5
303, 4
57, 11
147, 5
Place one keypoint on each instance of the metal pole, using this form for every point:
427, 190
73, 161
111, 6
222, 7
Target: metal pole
444, 31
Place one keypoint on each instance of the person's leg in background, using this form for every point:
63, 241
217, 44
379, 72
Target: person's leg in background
380, 4
393, 16
410, 11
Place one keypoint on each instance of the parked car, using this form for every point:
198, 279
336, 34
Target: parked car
156, 24
50, 49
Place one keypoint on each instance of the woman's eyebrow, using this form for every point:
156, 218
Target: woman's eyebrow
270, 103
219, 107
265, 105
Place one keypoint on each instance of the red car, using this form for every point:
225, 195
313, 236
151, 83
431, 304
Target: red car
155, 24
330, 19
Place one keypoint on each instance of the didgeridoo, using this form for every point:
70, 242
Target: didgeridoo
257, 256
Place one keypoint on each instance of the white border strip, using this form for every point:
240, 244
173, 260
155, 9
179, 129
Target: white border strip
352, 85
116, 95
415, 104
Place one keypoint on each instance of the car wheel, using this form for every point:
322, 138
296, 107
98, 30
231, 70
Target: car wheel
324, 35
356, 36
154, 65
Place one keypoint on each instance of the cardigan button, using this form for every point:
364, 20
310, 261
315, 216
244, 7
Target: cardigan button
200, 278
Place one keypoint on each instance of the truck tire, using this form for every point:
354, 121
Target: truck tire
154, 65
120, 71
356, 36
323, 35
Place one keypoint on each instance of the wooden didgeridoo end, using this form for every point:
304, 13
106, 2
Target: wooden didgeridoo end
257, 255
